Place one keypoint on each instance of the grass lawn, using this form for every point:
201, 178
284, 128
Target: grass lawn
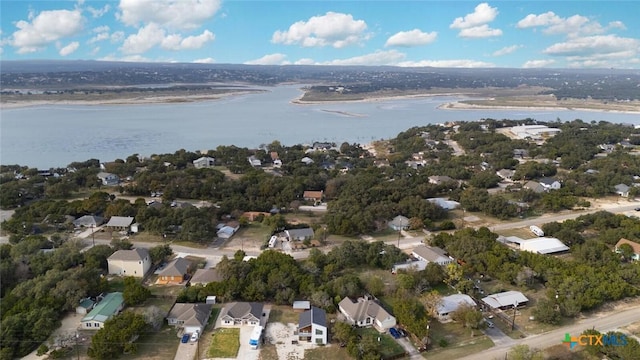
225, 343
156, 345
455, 351
283, 314
388, 346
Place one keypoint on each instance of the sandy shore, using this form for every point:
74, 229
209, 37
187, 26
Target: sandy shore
299, 101
137, 100
546, 107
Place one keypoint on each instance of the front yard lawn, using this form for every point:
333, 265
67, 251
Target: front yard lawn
225, 343
388, 346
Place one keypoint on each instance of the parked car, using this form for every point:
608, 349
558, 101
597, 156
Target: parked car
394, 332
194, 336
489, 323
402, 332
185, 338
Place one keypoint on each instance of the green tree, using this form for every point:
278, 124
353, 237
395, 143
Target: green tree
523, 352
117, 336
160, 253
134, 292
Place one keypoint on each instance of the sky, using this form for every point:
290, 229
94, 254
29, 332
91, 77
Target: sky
454, 33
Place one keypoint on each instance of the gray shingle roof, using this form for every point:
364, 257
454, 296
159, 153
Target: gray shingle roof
130, 255
312, 316
120, 221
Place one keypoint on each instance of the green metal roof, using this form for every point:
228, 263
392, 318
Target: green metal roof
106, 308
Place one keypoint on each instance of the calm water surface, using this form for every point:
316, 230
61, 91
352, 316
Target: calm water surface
54, 136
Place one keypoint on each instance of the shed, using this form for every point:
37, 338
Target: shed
301, 305
211, 299
543, 245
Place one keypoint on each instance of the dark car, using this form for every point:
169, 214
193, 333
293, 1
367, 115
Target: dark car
637, 209
395, 333
185, 338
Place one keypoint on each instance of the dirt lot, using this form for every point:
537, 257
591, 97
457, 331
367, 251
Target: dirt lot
281, 336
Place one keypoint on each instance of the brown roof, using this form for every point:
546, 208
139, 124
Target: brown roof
130, 255
205, 276
310, 194
634, 245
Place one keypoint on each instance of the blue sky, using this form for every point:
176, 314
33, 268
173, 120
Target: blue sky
518, 34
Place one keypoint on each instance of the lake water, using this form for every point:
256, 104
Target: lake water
54, 136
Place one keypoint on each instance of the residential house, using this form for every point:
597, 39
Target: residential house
505, 300
312, 326
506, 174
432, 254
254, 215
134, 262
307, 160
634, 245
191, 318
241, 313
175, 271
444, 203
204, 162
299, 234
622, 190
108, 307
254, 161
534, 186
543, 245
452, 303
439, 179
120, 223
205, 276
322, 146
228, 229
315, 196
366, 312
399, 223
108, 179
417, 265
88, 221
520, 153
550, 183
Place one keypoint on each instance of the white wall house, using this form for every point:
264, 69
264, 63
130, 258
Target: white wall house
135, 262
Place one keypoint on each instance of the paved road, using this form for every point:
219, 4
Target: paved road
606, 321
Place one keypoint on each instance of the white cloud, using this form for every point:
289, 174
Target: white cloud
573, 26
537, 63
208, 60
176, 42
332, 29
69, 49
100, 29
130, 58
270, 59
117, 36
462, 63
152, 35
175, 14
610, 45
390, 57
506, 50
305, 61
414, 37
478, 32
46, 28
99, 37
96, 13
475, 25
146, 38
482, 14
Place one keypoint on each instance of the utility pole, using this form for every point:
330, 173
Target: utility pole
93, 237
77, 346
513, 321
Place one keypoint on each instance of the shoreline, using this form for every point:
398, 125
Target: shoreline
181, 99
472, 107
140, 100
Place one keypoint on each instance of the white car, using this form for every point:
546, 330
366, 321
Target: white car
194, 336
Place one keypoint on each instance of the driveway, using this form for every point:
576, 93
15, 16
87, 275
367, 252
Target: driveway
187, 351
498, 337
245, 351
408, 348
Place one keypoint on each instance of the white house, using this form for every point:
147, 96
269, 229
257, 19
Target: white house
399, 223
365, 312
622, 190
241, 313
108, 179
505, 300
312, 326
135, 262
550, 183
108, 307
417, 265
299, 234
190, 317
204, 162
432, 254
543, 245
452, 303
